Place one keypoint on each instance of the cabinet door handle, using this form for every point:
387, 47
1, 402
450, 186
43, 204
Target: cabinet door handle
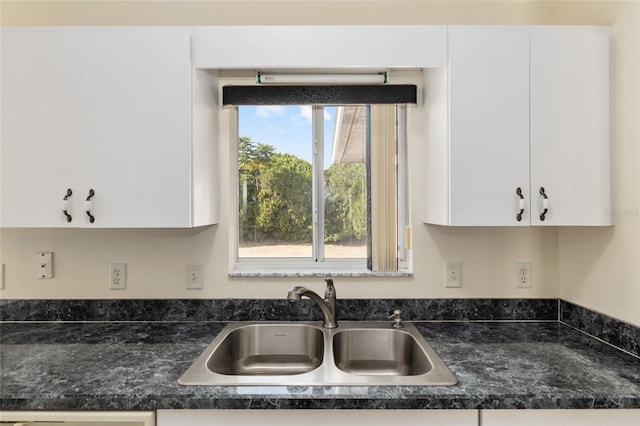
65, 205
545, 204
520, 204
88, 206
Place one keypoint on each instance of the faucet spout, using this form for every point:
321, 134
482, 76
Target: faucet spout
326, 305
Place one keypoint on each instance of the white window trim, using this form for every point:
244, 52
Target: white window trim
317, 119
404, 217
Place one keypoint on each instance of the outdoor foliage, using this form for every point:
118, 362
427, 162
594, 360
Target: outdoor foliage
275, 197
345, 203
284, 199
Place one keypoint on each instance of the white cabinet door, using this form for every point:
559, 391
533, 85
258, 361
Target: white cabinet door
136, 121
489, 124
317, 417
570, 114
79, 418
560, 417
107, 109
41, 136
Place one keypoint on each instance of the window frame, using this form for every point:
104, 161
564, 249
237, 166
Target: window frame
317, 265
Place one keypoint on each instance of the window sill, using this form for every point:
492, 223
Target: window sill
328, 273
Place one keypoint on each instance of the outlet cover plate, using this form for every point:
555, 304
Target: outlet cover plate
523, 275
118, 276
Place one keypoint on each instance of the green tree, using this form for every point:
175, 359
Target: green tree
346, 203
275, 197
253, 158
284, 199
263, 152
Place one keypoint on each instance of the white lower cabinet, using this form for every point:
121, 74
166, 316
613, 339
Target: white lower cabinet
618, 417
630, 417
78, 418
317, 417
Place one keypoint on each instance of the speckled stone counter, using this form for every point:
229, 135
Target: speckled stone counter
135, 366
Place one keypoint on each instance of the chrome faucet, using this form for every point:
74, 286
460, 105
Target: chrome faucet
326, 305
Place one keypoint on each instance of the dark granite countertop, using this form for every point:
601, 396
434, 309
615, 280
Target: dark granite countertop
135, 366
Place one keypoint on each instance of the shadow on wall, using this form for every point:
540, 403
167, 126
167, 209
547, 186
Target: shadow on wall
582, 250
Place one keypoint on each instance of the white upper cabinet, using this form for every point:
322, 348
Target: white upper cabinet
517, 110
318, 47
103, 111
570, 113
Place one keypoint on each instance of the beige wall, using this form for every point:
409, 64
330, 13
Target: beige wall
582, 265
600, 268
267, 12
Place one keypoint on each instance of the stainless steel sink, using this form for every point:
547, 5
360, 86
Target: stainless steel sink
383, 352
304, 353
268, 350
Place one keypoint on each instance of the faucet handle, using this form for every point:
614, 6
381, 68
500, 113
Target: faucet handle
397, 318
330, 291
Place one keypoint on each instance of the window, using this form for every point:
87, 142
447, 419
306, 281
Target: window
321, 187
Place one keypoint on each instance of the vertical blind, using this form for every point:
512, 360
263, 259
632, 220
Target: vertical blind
383, 189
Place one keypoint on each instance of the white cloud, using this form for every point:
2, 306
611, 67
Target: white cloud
306, 112
269, 111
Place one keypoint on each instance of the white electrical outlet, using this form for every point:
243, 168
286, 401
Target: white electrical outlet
118, 276
454, 274
193, 276
44, 264
523, 275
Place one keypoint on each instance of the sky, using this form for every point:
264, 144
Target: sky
287, 128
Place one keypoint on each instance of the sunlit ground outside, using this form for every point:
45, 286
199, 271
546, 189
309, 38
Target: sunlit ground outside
353, 250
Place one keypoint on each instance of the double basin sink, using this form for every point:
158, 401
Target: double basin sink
304, 353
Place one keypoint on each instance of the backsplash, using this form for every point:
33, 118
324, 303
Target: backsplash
617, 333
277, 310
